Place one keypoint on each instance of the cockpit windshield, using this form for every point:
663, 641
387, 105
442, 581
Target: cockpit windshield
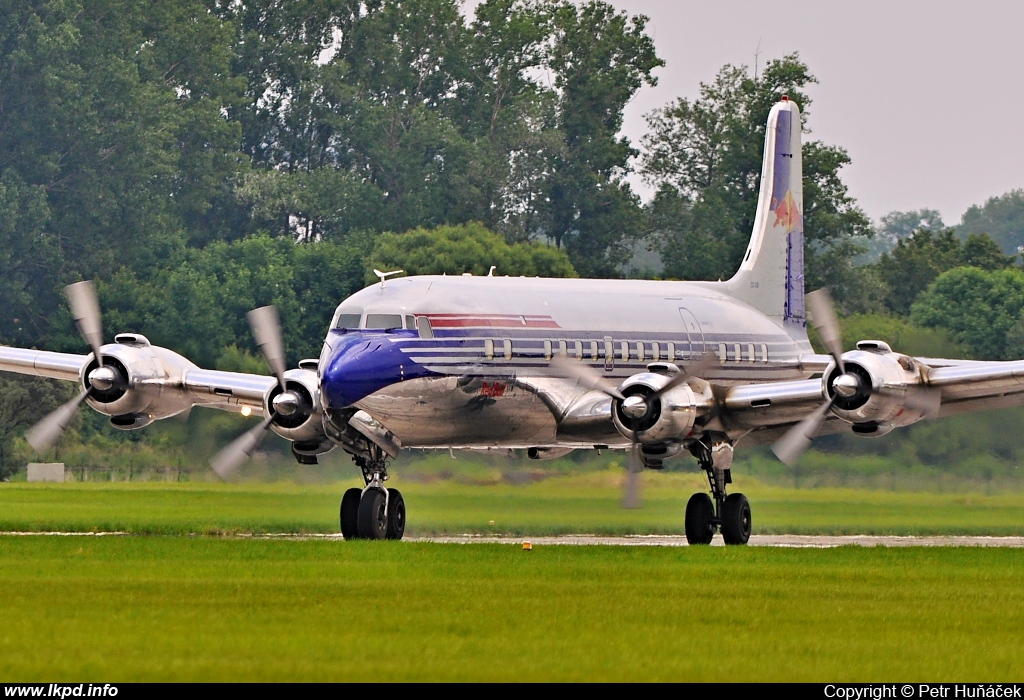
383, 321
347, 318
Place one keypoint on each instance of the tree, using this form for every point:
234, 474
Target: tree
1000, 217
915, 262
114, 145
978, 308
430, 120
600, 59
705, 159
897, 225
196, 305
455, 250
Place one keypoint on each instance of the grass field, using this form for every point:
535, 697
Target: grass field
582, 503
178, 608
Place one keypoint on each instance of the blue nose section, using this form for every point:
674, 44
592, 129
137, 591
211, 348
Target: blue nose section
360, 364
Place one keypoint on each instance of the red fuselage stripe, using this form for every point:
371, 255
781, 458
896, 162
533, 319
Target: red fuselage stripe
490, 321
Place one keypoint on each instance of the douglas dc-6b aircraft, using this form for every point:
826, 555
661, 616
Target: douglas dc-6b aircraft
550, 365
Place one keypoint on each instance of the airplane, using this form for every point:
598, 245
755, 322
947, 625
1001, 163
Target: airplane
658, 368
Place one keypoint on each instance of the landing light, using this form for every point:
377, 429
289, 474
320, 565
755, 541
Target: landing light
246, 411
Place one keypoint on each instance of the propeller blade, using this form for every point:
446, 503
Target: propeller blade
266, 329
924, 399
85, 307
585, 375
695, 370
228, 460
631, 486
797, 439
43, 434
823, 316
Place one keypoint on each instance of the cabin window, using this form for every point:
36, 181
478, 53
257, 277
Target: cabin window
671, 352
410, 322
721, 353
424, 327
640, 350
563, 348
489, 349
384, 322
624, 351
348, 320
593, 349
736, 352
655, 352
547, 349
578, 346
750, 352
508, 348
764, 353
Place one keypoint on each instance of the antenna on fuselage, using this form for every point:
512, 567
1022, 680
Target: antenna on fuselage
490, 273
384, 275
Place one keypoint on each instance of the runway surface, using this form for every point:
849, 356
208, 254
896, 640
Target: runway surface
811, 541
807, 541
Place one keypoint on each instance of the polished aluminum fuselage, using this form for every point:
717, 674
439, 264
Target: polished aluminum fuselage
481, 380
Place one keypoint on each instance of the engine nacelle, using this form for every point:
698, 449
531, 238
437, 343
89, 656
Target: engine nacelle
304, 427
659, 418
146, 386
889, 392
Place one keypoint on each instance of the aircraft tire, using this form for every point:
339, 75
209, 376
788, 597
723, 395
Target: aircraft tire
349, 514
700, 514
373, 515
396, 515
736, 521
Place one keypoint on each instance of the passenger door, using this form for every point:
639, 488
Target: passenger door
694, 332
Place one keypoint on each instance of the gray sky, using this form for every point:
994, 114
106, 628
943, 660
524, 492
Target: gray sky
927, 97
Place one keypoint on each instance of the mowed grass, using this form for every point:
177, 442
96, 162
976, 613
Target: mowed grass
582, 503
110, 609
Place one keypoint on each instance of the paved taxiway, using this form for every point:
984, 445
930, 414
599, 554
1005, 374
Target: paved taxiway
810, 541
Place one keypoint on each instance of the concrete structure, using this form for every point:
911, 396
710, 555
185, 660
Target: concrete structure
46, 471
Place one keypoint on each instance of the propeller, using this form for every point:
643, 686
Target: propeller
229, 459
85, 308
265, 324
585, 375
797, 439
634, 467
43, 434
634, 407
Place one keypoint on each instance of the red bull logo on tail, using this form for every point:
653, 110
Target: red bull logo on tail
787, 213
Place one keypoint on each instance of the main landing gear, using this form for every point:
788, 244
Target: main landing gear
374, 512
729, 513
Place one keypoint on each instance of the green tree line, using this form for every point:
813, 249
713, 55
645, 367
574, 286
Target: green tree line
199, 158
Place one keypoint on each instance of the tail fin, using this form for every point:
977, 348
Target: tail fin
771, 277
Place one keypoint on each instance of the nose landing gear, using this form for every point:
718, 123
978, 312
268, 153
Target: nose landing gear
374, 512
728, 513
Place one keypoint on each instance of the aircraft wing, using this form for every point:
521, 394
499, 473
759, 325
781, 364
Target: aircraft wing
39, 363
229, 391
766, 411
968, 386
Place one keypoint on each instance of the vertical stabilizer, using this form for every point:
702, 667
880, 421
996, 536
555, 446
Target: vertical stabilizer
771, 277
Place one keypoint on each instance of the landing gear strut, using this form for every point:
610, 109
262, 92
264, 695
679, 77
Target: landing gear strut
728, 513
374, 512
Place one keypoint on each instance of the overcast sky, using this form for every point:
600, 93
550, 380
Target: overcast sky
927, 97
